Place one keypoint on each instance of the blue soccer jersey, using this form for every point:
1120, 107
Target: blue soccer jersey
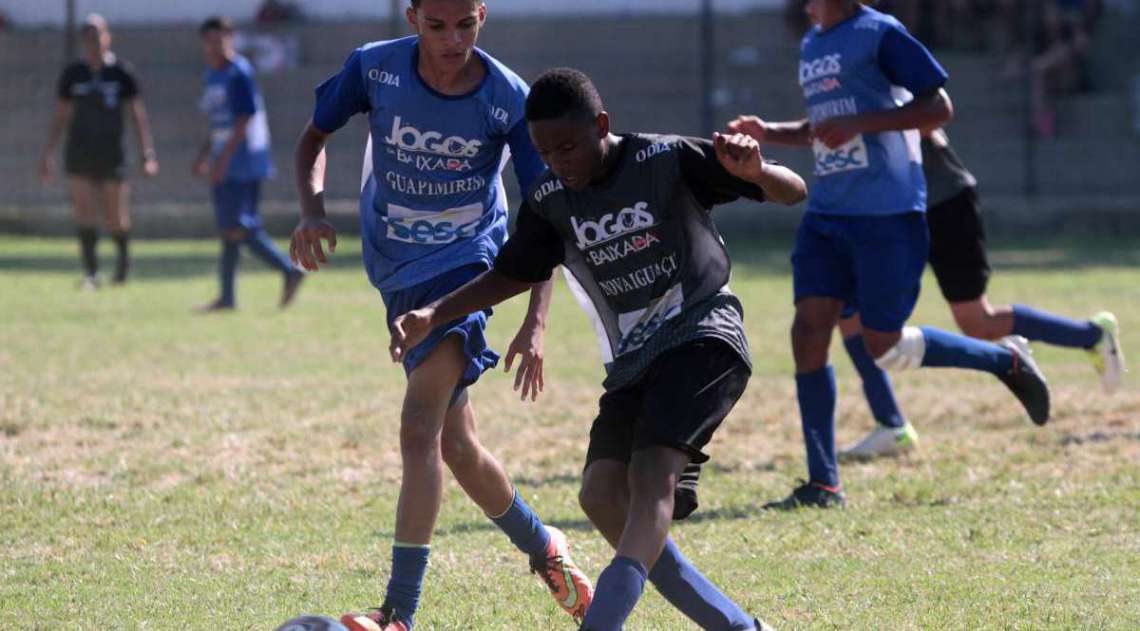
435, 200
866, 64
231, 93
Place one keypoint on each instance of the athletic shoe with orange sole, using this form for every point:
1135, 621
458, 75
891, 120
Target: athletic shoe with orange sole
566, 582
382, 619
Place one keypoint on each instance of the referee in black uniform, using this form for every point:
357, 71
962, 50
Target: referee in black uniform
93, 94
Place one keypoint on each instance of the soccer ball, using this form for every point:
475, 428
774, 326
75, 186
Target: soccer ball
312, 623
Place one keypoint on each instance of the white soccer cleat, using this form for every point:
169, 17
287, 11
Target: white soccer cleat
1108, 356
882, 442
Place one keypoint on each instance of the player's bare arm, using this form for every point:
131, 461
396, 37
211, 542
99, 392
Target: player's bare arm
529, 343
59, 120
485, 291
145, 138
237, 137
790, 133
927, 111
740, 155
305, 248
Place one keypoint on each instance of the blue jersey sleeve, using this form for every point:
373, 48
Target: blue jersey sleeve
341, 96
528, 165
908, 63
242, 95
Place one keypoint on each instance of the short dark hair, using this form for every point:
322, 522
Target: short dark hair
216, 23
563, 91
416, 3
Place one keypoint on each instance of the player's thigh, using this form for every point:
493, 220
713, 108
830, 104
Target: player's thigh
115, 197
891, 255
958, 248
688, 393
821, 260
84, 199
432, 383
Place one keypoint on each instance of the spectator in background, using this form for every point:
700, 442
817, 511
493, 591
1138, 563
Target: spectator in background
1057, 38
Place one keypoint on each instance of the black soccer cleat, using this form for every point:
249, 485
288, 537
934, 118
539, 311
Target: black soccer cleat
685, 495
810, 495
1026, 381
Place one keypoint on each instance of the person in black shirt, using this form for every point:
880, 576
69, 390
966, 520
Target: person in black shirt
629, 218
93, 94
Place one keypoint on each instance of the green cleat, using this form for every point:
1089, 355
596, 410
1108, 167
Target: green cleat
1107, 356
882, 442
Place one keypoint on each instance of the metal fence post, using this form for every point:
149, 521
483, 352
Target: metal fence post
708, 67
1029, 133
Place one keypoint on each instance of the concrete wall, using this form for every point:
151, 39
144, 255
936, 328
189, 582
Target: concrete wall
647, 70
51, 12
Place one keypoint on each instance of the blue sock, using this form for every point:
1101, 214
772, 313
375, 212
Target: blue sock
619, 587
692, 594
876, 384
523, 527
228, 271
1039, 326
949, 350
817, 393
409, 564
263, 247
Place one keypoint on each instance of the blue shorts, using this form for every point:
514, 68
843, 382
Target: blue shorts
873, 264
472, 329
235, 204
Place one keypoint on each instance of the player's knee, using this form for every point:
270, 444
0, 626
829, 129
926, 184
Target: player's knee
651, 480
906, 354
599, 496
460, 451
811, 327
419, 432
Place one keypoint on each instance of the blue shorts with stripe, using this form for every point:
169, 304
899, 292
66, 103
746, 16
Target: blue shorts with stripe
471, 330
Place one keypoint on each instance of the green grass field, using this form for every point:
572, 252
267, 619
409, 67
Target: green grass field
163, 470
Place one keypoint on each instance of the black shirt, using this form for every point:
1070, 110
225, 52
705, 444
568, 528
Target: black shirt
643, 257
98, 97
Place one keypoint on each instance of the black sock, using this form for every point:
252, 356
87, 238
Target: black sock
122, 243
88, 237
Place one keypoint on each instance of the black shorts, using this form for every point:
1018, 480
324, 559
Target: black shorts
101, 165
958, 247
679, 402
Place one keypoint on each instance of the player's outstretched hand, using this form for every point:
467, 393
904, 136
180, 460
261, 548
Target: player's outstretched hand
305, 247
408, 331
150, 167
836, 132
740, 155
528, 345
749, 125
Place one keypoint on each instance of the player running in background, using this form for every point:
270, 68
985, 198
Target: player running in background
629, 217
443, 116
864, 241
958, 258
92, 93
236, 160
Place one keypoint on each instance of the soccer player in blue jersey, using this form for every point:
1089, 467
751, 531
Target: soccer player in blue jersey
236, 159
443, 115
958, 259
864, 242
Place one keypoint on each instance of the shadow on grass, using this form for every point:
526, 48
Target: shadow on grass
143, 266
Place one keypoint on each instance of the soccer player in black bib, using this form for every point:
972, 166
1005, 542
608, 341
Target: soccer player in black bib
93, 94
629, 217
